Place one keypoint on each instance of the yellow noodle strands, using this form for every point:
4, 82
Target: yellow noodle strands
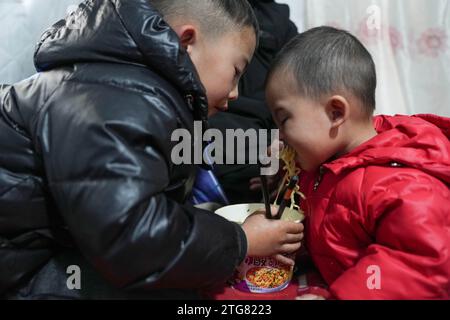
287, 155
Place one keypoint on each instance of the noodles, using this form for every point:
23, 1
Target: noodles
287, 155
268, 277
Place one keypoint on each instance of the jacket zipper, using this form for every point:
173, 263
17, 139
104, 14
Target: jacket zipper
319, 178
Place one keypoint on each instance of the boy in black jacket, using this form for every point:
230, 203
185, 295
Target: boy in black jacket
86, 177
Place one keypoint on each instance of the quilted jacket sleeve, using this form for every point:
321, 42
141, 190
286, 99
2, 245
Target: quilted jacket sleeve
107, 158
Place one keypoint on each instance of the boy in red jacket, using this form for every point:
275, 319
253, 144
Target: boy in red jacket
377, 189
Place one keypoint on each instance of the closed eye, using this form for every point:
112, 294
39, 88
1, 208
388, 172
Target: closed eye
284, 121
282, 116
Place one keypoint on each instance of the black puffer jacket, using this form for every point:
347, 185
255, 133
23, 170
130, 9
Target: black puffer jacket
85, 157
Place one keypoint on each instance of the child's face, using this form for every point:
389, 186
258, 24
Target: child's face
304, 123
220, 63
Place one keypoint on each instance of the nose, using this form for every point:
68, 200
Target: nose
234, 94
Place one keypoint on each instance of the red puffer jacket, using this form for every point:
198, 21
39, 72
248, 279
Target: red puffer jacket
378, 223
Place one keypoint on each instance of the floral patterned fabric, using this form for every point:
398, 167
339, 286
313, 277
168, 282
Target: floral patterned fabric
408, 39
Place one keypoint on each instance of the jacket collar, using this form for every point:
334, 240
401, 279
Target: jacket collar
420, 142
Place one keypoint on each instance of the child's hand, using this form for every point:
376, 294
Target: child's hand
272, 237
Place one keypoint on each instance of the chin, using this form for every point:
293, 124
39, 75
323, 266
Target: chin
308, 167
300, 164
212, 112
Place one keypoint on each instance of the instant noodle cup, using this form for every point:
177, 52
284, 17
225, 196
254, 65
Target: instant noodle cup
259, 274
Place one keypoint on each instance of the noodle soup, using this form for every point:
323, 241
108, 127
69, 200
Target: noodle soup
259, 274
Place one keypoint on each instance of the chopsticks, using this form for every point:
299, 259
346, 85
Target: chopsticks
265, 192
286, 196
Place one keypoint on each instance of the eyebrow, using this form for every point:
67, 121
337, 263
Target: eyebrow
280, 108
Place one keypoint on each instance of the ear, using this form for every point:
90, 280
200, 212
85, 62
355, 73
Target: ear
337, 109
187, 33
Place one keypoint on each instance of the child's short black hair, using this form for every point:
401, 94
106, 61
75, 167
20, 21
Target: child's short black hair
324, 60
214, 16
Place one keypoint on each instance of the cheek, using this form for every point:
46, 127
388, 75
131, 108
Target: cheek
207, 71
295, 139
216, 75
308, 145
218, 87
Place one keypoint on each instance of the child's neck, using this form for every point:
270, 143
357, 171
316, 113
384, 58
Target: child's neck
359, 135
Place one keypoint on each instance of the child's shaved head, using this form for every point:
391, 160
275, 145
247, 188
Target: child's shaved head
214, 16
326, 60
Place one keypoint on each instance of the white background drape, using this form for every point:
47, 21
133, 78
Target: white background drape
21, 24
410, 43
408, 39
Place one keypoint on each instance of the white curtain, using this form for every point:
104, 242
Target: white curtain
408, 39
21, 24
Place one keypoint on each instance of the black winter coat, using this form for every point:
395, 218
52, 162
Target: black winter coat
85, 157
